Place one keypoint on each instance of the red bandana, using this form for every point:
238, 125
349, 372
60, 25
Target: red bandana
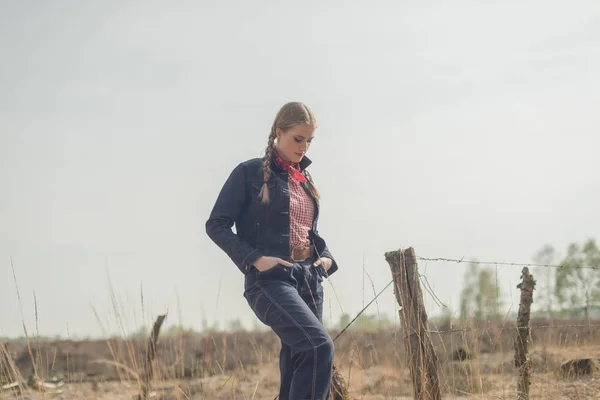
292, 168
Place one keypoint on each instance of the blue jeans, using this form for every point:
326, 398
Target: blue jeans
290, 301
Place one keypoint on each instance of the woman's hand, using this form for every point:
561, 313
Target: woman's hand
265, 263
326, 262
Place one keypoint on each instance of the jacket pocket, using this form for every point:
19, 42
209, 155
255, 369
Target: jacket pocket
256, 187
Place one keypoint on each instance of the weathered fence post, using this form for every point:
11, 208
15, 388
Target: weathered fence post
522, 362
339, 388
150, 354
423, 360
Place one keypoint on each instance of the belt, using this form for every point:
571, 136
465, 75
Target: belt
301, 253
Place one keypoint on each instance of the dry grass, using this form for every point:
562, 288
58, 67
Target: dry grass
243, 365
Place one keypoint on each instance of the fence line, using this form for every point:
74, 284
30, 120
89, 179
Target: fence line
504, 263
462, 260
512, 264
417, 341
471, 329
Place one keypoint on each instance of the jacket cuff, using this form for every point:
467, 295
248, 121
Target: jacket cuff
249, 260
334, 266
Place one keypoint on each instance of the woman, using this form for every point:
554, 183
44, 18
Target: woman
274, 205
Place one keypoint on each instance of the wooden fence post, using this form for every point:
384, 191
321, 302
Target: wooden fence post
522, 361
339, 388
150, 355
423, 363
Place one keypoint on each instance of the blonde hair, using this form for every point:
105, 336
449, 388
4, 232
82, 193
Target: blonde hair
290, 115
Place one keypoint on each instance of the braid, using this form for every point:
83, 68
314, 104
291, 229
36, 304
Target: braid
290, 115
264, 191
311, 186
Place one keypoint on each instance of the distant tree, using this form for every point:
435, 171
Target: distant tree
370, 322
257, 326
141, 333
345, 319
468, 293
445, 320
578, 281
213, 329
236, 325
480, 296
205, 326
488, 296
367, 322
175, 331
546, 279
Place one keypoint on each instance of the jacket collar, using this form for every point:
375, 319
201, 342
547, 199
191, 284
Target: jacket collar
304, 163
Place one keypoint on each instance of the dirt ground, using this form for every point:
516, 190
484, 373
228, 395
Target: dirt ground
243, 365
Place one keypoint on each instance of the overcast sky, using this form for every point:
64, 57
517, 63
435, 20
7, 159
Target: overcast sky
463, 129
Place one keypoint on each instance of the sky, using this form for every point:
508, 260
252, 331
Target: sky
462, 129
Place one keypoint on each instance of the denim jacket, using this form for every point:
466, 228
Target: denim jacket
260, 229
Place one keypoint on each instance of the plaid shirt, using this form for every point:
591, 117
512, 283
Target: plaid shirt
302, 209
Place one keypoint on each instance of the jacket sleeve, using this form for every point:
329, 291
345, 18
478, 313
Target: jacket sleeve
334, 266
228, 206
323, 251
322, 245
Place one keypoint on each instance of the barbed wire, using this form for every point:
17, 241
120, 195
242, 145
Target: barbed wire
472, 329
504, 263
462, 260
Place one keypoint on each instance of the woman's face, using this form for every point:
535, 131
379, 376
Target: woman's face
294, 143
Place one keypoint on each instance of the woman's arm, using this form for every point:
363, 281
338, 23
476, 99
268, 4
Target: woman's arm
227, 208
323, 252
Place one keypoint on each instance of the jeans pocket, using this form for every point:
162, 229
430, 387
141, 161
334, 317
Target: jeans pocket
264, 306
312, 287
277, 273
269, 271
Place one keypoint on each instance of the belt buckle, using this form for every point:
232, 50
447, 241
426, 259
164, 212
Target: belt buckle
301, 248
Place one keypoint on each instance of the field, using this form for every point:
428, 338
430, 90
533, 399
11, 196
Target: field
243, 365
